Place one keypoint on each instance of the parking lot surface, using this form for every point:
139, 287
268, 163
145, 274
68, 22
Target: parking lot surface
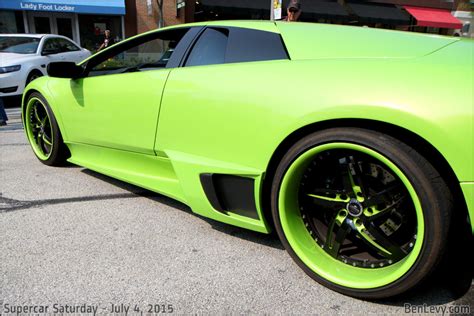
70, 236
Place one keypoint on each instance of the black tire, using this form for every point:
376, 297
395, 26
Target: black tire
58, 151
435, 202
35, 74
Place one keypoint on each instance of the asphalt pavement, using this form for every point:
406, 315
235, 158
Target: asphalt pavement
72, 240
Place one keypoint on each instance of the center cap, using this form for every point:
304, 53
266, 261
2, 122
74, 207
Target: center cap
354, 208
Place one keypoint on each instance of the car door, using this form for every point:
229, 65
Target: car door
52, 50
211, 103
116, 104
69, 51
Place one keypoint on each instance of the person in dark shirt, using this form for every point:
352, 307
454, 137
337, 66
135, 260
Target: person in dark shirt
108, 40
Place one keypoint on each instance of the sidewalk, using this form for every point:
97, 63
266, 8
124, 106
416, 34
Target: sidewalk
14, 120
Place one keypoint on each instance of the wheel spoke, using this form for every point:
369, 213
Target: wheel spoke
369, 240
335, 240
356, 173
374, 239
36, 114
46, 140
348, 169
341, 234
37, 136
40, 141
341, 198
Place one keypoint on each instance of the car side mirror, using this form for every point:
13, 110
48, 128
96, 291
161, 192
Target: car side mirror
46, 52
65, 69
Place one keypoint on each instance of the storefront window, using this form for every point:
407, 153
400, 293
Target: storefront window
65, 27
11, 22
92, 27
42, 25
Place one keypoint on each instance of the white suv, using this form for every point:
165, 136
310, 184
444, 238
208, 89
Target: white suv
24, 57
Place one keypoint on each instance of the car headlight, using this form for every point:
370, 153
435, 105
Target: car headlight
9, 69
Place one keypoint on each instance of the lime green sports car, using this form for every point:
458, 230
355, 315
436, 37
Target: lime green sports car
354, 144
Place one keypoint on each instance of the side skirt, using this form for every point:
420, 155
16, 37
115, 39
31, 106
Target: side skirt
146, 171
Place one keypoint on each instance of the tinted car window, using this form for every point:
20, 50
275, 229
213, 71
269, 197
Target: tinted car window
66, 46
146, 53
209, 49
19, 45
234, 45
51, 45
252, 45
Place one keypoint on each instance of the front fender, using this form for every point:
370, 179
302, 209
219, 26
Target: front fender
40, 85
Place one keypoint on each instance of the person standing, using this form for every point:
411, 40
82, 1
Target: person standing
3, 114
293, 11
108, 40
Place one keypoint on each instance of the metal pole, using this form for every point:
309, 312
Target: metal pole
272, 12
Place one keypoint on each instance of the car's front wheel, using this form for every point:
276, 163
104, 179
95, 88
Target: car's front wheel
361, 212
35, 74
43, 131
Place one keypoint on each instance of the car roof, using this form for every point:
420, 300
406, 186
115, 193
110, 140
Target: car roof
24, 35
34, 35
265, 25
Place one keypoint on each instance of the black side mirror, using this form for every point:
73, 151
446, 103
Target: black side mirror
65, 69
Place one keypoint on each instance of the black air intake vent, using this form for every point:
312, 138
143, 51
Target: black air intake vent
228, 193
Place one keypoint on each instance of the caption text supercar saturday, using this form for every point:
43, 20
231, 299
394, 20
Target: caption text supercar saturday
55, 308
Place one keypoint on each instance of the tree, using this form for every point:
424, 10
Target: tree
465, 5
161, 20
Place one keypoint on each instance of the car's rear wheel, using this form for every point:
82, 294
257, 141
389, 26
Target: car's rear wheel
361, 212
43, 132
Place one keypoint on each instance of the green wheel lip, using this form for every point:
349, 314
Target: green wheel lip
31, 138
313, 256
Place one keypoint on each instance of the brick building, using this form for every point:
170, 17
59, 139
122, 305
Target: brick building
144, 15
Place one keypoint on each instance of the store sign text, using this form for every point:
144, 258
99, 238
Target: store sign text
46, 7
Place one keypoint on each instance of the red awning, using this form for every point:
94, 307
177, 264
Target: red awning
434, 17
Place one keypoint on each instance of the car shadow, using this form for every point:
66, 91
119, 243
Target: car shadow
270, 240
447, 285
435, 291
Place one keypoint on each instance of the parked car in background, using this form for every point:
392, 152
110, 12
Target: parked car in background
24, 57
467, 19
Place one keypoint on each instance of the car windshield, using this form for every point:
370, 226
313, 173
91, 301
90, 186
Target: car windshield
19, 45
